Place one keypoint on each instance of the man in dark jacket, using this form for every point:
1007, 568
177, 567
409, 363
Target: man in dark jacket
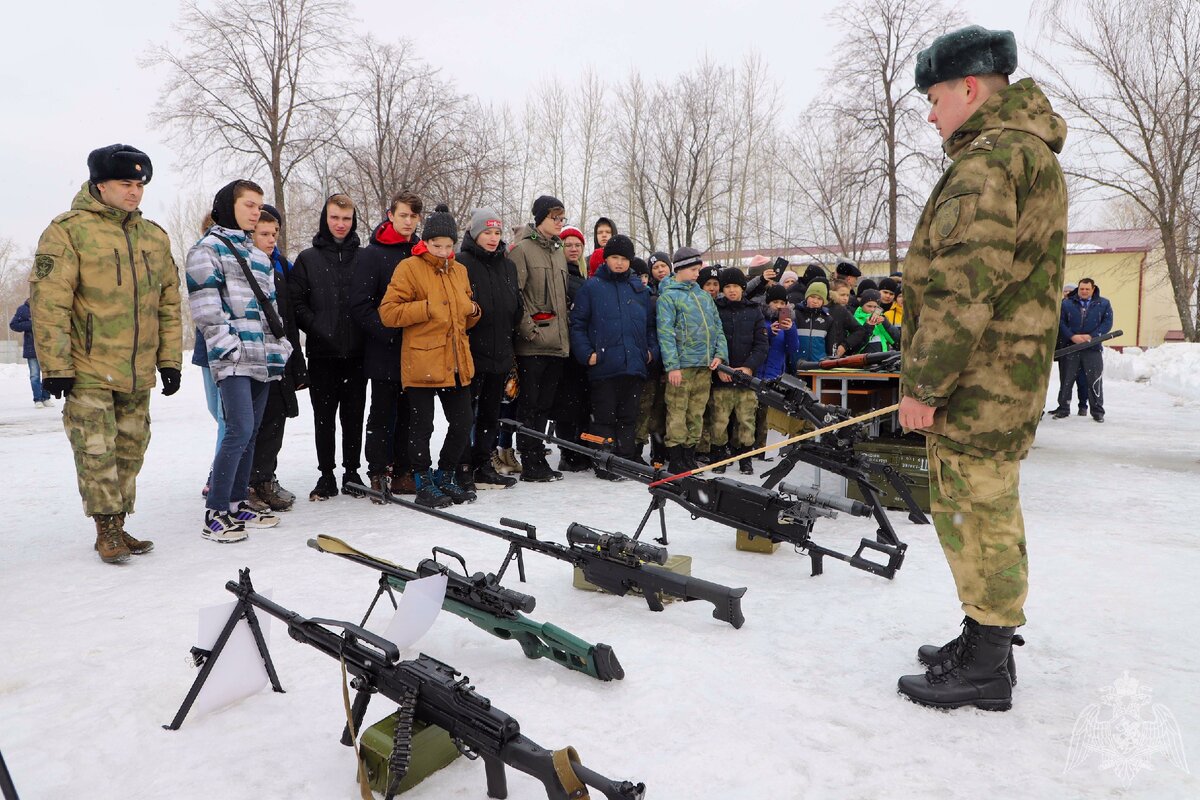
613, 334
387, 421
320, 295
746, 336
281, 395
22, 322
1083, 317
493, 280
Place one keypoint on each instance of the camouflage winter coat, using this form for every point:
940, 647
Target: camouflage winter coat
105, 298
983, 277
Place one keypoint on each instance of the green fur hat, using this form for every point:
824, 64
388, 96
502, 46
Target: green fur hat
972, 50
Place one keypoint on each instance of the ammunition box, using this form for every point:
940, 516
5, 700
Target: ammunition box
910, 460
680, 565
757, 544
431, 750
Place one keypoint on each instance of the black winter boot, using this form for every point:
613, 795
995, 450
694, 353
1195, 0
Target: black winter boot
976, 674
352, 476
677, 459
931, 655
658, 449
535, 468
446, 481
326, 487
689, 454
719, 454
746, 463
428, 492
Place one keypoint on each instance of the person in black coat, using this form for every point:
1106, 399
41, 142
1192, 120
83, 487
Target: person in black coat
493, 279
282, 401
846, 334
22, 322
746, 336
388, 419
320, 293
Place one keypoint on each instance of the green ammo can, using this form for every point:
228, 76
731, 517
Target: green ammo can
432, 749
910, 460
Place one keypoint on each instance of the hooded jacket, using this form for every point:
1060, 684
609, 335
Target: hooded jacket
597, 257
1096, 321
226, 311
542, 275
983, 277
104, 296
493, 280
430, 298
22, 322
812, 326
613, 317
372, 273
689, 329
745, 335
320, 286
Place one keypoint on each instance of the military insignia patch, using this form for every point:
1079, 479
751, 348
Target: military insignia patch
946, 218
43, 265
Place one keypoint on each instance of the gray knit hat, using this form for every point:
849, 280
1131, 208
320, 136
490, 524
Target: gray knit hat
440, 223
972, 50
482, 219
686, 257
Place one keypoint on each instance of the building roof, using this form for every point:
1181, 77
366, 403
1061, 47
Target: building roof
1132, 240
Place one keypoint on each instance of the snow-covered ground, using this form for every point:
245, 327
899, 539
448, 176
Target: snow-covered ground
800, 702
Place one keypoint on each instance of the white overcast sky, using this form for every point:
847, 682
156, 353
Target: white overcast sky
70, 80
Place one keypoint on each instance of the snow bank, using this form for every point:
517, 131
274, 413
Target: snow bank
1172, 368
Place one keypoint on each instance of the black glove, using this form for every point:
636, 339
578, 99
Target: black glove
58, 387
170, 380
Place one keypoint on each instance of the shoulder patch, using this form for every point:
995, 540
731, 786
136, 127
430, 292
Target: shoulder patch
43, 265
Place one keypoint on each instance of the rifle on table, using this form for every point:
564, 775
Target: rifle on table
1077, 346
871, 361
425, 689
482, 601
786, 516
612, 561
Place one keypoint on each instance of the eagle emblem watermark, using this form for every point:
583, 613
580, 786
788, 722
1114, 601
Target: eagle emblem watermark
1120, 733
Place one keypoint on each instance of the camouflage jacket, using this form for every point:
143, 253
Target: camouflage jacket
983, 277
105, 298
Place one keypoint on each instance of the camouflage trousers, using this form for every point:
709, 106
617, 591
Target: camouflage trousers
685, 406
109, 432
741, 405
977, 513
651, 408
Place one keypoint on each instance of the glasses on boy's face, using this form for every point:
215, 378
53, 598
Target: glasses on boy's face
559, 219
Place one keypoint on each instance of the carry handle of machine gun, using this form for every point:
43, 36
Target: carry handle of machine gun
518, 525
387, 650
450, 553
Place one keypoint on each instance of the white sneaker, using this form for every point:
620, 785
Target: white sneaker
220, 528
39, 404
48, 403
250, 518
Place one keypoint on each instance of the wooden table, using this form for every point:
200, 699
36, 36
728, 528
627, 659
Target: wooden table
857, 390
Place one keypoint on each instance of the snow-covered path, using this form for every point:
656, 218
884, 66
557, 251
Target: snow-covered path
798, 703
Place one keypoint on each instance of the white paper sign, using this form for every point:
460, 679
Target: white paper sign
418, 608
238, 671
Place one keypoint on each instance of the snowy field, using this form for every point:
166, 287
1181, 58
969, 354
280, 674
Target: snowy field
799, 703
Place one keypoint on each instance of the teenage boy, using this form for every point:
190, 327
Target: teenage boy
881, 337
602, 231
388, 418
652, 420
692, 343
746, 338
710, 281
846, 333
320, 292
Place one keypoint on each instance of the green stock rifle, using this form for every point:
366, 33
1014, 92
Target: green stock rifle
785, 516
425, 689
482, 601
612, 561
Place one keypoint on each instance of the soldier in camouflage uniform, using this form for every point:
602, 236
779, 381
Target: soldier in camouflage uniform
982, 286
105, 300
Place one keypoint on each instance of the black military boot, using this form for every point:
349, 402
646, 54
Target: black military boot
677, 459
976, 674
746, 463
931, 655
719, 454
658, 449
689, 455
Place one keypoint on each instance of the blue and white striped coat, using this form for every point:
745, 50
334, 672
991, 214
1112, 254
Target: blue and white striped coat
225, 310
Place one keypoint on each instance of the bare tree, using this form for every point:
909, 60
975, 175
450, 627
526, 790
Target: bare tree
756, 97
1136, 110
247, 84
878, 92
14, 282
590, 134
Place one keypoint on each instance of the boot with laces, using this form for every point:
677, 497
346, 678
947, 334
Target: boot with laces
428, 492
975, 674
931, 655
448, 483
109, 544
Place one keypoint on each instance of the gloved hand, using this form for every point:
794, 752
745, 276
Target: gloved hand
58, 387
170, 380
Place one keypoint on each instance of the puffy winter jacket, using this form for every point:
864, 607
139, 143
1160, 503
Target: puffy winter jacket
882, 338
745, 335
614, 319
1097, 320
542, 275
689, 329
812, 326
320, 293
22, 322
372, 273
783, 348
430, 298
104, 296
493, 281
226, 311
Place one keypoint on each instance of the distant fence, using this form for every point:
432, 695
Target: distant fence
10, 351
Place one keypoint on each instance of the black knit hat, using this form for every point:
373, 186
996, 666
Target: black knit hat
638, 265
657, 256
865, 285
619, 245
776, 291
972, 50
119, 162
440, 223
708, 274
814, 270
889, 285
847, 267
868, 296
274, 212
543, 206
732, 275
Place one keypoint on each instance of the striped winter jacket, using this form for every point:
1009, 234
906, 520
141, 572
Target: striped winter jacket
225, 310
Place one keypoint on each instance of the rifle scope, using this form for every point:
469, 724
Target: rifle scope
615, 544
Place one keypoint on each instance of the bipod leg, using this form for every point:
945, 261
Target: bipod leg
7, 789
384, 587
786, 464
662, 524
915, 514
240, 611
514, 554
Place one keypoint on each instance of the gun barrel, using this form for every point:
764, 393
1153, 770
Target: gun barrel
601, 459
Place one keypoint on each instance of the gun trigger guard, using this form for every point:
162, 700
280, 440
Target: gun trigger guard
463, 748
564, 761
